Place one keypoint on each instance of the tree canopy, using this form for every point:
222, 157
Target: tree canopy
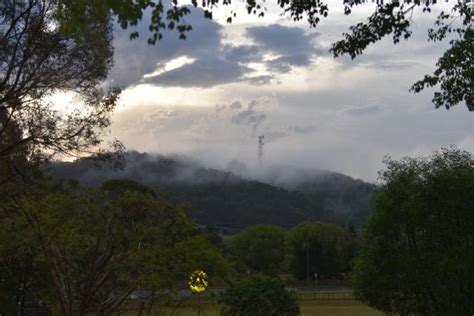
260, 248
317, 248
418, 256
37, 60
70, 251
259, 295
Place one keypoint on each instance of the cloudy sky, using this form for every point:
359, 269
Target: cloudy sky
211, 96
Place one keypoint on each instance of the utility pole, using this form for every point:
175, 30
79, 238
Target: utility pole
307, 262
315, 281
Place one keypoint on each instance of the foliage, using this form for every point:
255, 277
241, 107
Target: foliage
390, 19
229, 203
80, 252
418, 256
260, 249
259, 295
36, 61
317, 248
454, 73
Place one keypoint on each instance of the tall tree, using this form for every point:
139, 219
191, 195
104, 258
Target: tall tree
317, 248
418, 256
36, 61
260, 249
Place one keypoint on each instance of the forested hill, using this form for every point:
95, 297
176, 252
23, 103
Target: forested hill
229, 202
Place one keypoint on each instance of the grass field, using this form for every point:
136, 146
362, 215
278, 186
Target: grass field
308, 308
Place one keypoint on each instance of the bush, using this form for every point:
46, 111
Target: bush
259, 295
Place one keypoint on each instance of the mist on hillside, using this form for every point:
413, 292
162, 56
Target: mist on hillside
156, 168
237, 196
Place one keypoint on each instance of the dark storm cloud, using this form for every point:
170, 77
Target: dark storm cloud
292, 45
133, 59
281, 39
243, 53
204, 72
214, 62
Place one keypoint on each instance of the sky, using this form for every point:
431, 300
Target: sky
210, 97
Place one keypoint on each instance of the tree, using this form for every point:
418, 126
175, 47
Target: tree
36, 61
260, 249
454, 72
317, 248
75, 252
418, 256
259, 295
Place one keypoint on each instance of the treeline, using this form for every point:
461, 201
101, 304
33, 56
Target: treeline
306, 250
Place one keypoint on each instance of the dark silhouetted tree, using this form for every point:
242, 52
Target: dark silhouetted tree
418, 256
259, 295
36, 61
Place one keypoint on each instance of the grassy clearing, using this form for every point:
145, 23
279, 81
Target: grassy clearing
308, 308
337, 308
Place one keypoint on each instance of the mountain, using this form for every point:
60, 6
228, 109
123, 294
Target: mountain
230, 202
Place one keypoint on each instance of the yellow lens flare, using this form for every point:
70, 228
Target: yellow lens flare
198, 281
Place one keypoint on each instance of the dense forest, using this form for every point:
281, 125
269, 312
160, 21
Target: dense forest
230, 202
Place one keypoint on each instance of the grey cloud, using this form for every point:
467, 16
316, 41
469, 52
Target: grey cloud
292, 45
250, 117
204, 72
276, 66
161, 113
376, 62
220, 107
253, 103
303, 129
261, 80
390, 65
271, 136
346, 120
281, 39
364, 110
214, 62
243, 53
285, 63
235, 105
274, 135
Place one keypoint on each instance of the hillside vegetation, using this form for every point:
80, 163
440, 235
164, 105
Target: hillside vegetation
230, 202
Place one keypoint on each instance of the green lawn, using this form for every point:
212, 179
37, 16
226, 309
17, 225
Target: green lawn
308, 308
346, 308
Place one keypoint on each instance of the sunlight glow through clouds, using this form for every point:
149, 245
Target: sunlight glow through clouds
171, 65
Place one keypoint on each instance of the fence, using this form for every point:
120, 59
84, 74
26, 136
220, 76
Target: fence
326, 296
